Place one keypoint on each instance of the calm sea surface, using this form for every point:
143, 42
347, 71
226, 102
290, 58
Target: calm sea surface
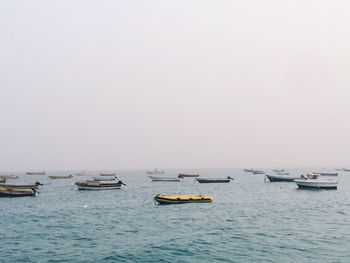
249, 221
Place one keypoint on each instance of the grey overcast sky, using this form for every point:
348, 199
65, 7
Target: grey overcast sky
171, 84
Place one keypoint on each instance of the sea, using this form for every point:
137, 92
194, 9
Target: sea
250, 220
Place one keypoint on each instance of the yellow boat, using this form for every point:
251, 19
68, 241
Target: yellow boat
182, 199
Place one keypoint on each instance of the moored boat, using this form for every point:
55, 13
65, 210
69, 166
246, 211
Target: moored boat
313, 181
17, 192
97, 185
214, 180
248, 170
182, 199
107, 174
20, 186
9, 177
36, 173
155, 171
339, 169
258, 172
280, 178
183, 175
164, 178
278, 170
104, 178
346, 170
60, 176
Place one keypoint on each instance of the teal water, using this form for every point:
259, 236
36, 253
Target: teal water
249, 221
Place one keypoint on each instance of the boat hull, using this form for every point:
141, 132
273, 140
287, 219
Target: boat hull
212, 181
164, 179
327, 174
187, 175
168, 200
59, 177
16, 193
99, 187
18, 186
316, 184
273, 178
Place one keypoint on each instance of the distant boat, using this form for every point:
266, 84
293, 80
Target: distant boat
98, 185
313, 181
182, 175
278, 178
248, 170
326, 174
9, 177
60, 176
182, 199
214, 180
20, 186
258, 172
339, 169
107, 174
17, 193
282, 173
278, 170
81, 173
155, 171
346, 170
35, 173
164, 179
2, 180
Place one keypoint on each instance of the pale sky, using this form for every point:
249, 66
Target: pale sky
174, 84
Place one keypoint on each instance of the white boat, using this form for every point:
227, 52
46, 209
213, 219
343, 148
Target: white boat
155, 171
81, 173
164, 178
97, 185
315, 182
278, 170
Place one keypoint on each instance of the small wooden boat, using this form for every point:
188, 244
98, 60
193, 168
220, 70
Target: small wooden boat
326, 174
155, 171
282, 173
248, 170
20, 186
182, 175
278, 178
164, 179
278, 170
182, 199
258, 172
96, 185
9, 177
313, 181
36, 173
17, 192
214, 180
60, 176
107, 174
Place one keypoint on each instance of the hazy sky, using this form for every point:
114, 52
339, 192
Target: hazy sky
171, 84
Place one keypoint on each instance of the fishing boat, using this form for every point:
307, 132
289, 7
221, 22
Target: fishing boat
36, 173
107, 174
182, 175
279, 178
248, 170
60, 176
97, 185
278, 170
282, 173
314, 181
20, 186
214, 180
104, 178
9, 177
164, 178
326, 174
17, 192
258, 172
182, 199
155, 171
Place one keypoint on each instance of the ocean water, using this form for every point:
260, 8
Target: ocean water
249, 221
